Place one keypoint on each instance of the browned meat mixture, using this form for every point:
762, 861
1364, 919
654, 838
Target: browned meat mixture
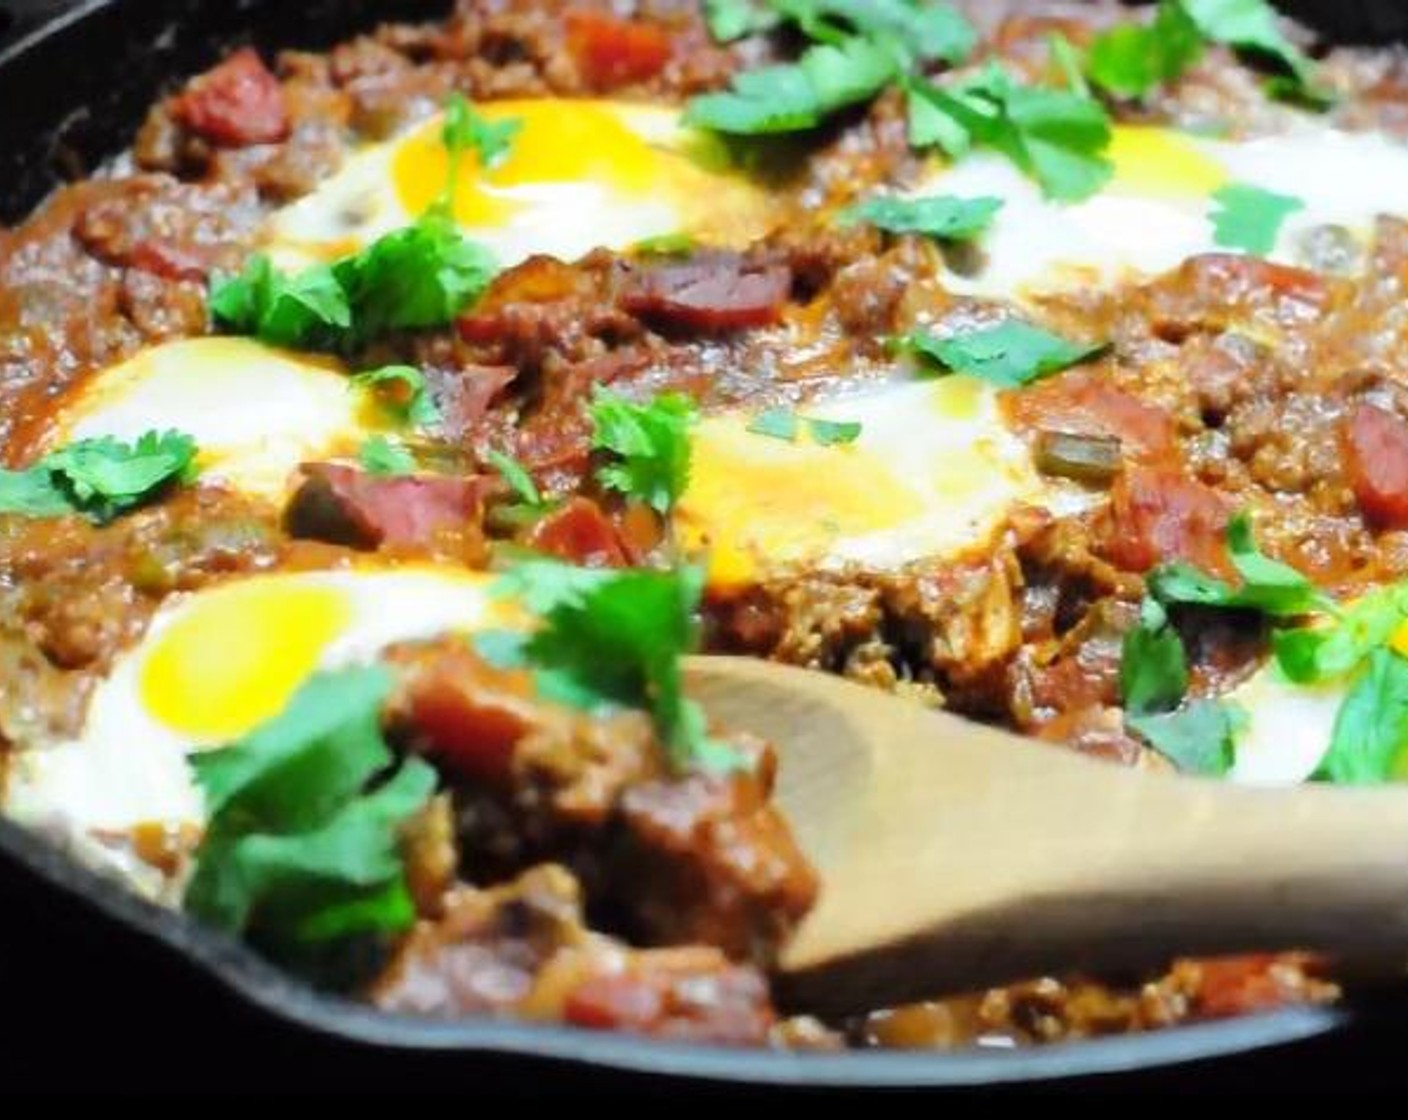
565, 872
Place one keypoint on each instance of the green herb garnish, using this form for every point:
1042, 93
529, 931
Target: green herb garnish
1268, 586
943, 217
302, 846
1250, 218
1371, 728
613, 639
1153, 664
404, 388
516, 475
649, 444
99, 478
1198, 738
1009, 354
784, 424
381, 456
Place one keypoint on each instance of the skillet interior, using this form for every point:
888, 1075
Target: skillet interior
75, 77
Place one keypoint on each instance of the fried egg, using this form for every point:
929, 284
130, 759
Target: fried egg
579, 174
933, 472
255, 412
213, 666
1157, 209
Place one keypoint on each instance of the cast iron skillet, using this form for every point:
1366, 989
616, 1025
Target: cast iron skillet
75, 77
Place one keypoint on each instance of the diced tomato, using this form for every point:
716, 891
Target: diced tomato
1376, 463
467, 716
612, 52
1233, 986
1158, 515
237, 104
1083, 402
581, 533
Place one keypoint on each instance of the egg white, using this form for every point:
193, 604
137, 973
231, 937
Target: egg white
1157, 210
580, 174
127, 766
255, 412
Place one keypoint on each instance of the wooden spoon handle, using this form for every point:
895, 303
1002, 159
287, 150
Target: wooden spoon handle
954, 855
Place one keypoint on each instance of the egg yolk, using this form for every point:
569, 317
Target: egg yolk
236, 657
1162, 162
753, 499
628, 152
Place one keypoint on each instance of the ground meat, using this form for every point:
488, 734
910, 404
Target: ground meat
523, 948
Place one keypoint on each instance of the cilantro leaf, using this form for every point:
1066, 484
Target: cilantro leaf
411, 397
677, 244
650, 444
1009, 354
1250, 218
793, 98
1268, 586
944, 217
1198, 738
412, 278
1066, 60
1310, 654
306, 310
518, 478
101, 478
416, 277
302, 845
1250, 25
1371, 728
465, 130
1131, 59
380, 456
733, 19
1153, 664
1058, 137
784, 424
611, 639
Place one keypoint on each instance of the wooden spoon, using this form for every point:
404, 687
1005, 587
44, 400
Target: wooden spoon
954, 855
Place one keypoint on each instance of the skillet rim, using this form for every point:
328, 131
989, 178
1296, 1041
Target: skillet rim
294, 1003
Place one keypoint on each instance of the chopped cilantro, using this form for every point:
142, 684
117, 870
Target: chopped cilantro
1250, 218
649, 444
1371, 728
1334, 649
1009, 354
1197, 738
1250, 25
666, 245
416, 277
306, 310
100, 478
944, 217
1066, 59
614, 639
733, 19
404, 387
465, 130
517, 477
784, 424
1057, 137
1267, 586
791, 98
1131, 59
1153, 665
381, 456
302, 845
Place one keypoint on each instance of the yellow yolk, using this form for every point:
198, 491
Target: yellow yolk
932, 473
1161, 162
752, 499
271, 636
576, 175
559, 142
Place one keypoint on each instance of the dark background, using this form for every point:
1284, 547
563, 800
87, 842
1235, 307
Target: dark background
86, 1006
